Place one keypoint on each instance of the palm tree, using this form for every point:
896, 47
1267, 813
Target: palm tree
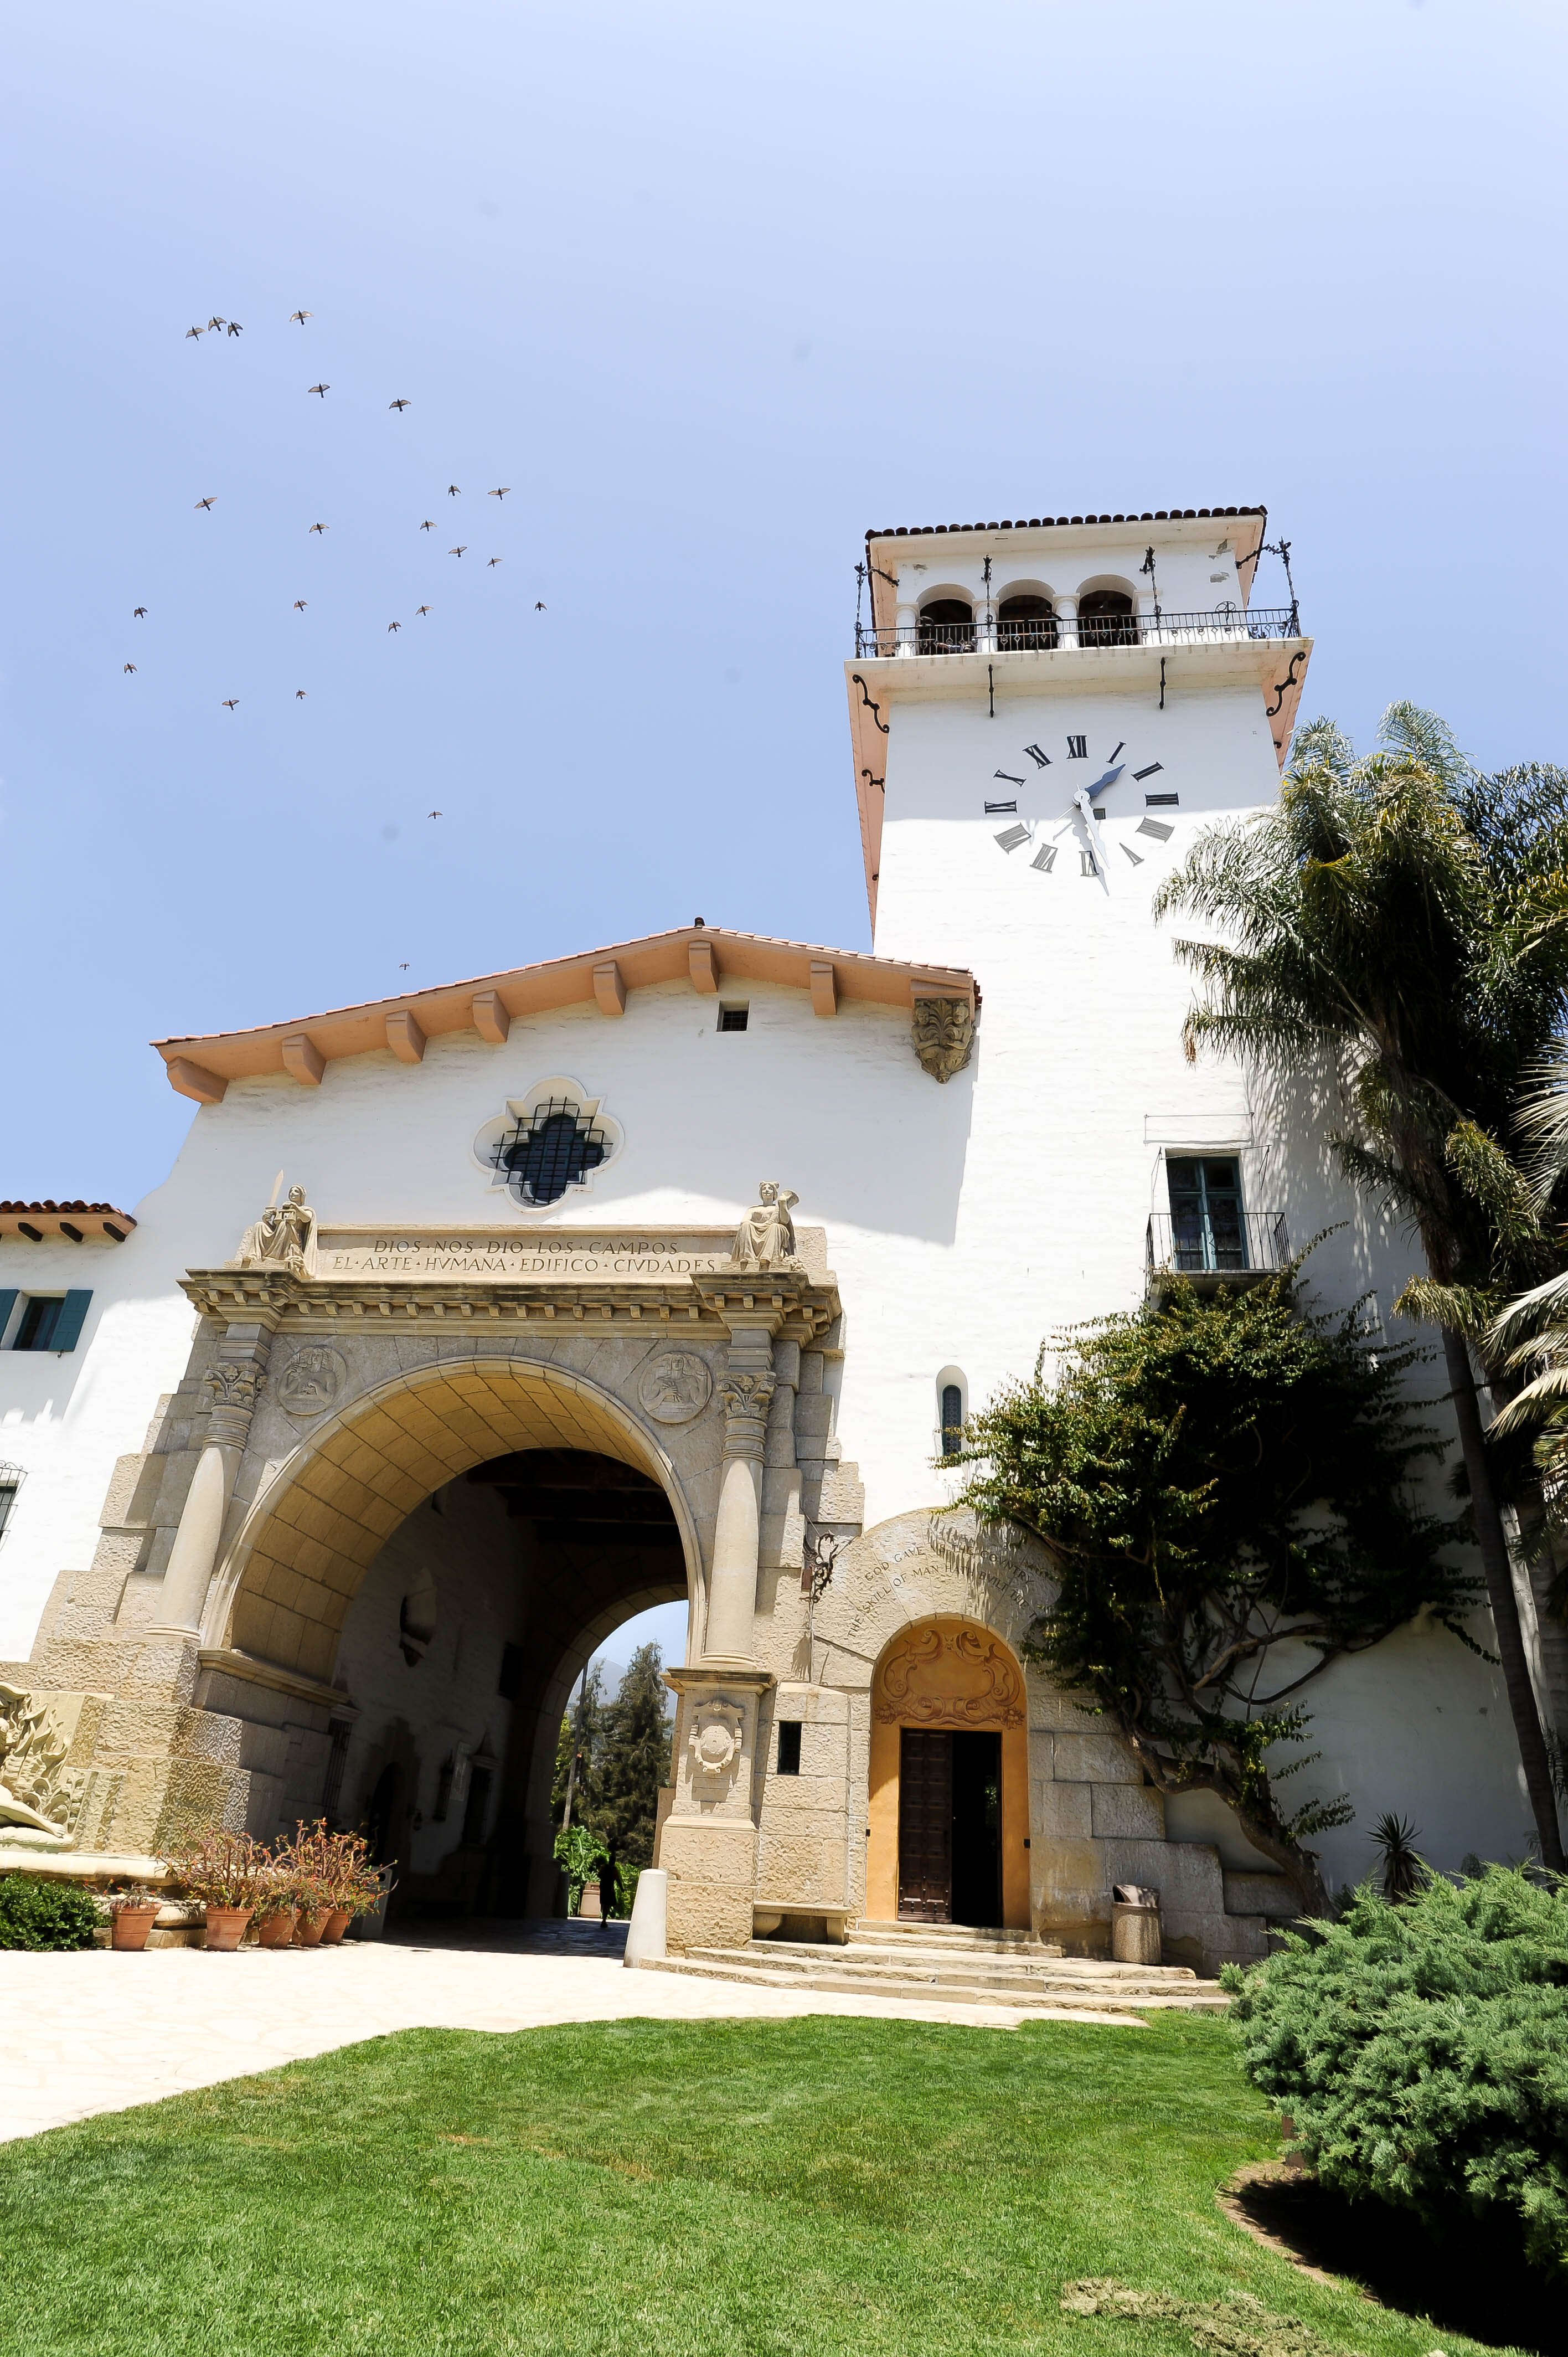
1401, 921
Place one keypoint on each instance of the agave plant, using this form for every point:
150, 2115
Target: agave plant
1403, 1868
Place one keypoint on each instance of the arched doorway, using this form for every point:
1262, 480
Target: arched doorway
949, 1801
447, 1555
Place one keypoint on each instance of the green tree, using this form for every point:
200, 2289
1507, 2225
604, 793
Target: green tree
635, 1760
577, 1749
1400, 920
1222, 1486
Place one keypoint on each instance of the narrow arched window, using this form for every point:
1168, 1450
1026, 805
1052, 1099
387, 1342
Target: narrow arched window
947, 628
952, 1419
1026, 622
1105, 619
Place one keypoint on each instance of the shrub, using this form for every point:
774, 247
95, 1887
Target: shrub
34, 1914
1422, 2050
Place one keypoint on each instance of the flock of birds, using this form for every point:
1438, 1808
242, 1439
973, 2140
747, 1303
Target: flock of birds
218, 325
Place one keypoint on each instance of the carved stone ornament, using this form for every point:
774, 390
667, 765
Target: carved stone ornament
748, 1396
311, 1380
766, 1236
235, 1383
954, 1677
714, 1739
675, 1386
942, 1034
283, 1237
38, 1799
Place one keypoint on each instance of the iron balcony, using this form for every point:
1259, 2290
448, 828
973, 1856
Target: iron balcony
1212, 1251
1048, 633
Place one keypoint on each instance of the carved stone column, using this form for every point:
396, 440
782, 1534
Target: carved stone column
233, 1382
746, 1393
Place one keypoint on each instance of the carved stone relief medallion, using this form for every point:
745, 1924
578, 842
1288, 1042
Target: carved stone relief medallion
716, 1739
675, 1386
312, 1380
942, 1034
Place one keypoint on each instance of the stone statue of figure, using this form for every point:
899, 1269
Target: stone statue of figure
283, 1237
766, 1237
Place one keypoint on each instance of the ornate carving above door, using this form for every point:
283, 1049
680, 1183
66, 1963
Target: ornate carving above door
948, 1673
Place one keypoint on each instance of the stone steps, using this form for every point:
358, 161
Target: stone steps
1023, 1968
961, 1936
979, 1976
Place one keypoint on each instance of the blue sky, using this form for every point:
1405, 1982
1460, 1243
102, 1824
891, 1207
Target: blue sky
711, 289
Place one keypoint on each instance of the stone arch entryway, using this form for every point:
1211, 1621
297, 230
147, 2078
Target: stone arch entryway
445, 1554
949, 1779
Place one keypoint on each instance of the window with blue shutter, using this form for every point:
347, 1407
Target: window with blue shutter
7, 1303
52, 1321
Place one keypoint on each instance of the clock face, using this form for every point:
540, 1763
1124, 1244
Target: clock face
1062, 792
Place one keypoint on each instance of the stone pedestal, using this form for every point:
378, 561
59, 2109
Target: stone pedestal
707, 1844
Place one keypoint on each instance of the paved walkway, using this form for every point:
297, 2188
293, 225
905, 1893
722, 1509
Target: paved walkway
91, 2031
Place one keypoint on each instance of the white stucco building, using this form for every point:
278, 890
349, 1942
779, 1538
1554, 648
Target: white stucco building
336, 1526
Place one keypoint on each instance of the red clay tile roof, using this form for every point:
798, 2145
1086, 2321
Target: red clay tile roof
1039, 523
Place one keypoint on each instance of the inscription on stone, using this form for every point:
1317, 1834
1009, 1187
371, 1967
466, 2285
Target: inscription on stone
649, 1256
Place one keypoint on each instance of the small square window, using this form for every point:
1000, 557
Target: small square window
789, 1747
732, 1018
39, 1320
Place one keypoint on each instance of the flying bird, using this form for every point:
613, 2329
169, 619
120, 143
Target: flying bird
394, 626
457, 552
216, 322
433, 813
402, 965
300, 604
538, 606
422, 609
235, 329
194, 331
130, 666
452, 491
495, 560
301, 316
501, 494
322, 389
230, 702
397, 404
299, 694
137, 612
428, 526
319, 527
207, 503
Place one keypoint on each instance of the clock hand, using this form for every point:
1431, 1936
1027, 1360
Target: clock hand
1089, 814
1108, 780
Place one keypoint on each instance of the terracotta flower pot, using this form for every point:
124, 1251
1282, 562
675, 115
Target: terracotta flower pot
337, 1922
311, 1925
226, 1927
275, 1931
132, 1925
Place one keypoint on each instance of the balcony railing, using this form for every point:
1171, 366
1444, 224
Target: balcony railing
1214, 626
1213, 1248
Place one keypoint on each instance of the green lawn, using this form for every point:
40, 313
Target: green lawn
725, 2189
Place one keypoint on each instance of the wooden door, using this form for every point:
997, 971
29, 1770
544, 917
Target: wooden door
925, 1826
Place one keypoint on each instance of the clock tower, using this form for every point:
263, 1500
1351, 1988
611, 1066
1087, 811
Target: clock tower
1044, 713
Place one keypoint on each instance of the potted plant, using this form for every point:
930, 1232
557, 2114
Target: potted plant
133, 1912
306, 1863
356, 1885
276, 1909
223, 1871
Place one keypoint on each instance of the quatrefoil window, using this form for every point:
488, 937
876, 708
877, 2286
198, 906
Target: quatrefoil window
547, 1144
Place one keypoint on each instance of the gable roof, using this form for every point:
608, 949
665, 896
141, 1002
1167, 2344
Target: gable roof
201, 1065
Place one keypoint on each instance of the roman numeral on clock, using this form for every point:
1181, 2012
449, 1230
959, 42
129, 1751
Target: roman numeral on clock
1149, 772
1041, 760
1078, 748
1008, 779
1086, 865
1045, 859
